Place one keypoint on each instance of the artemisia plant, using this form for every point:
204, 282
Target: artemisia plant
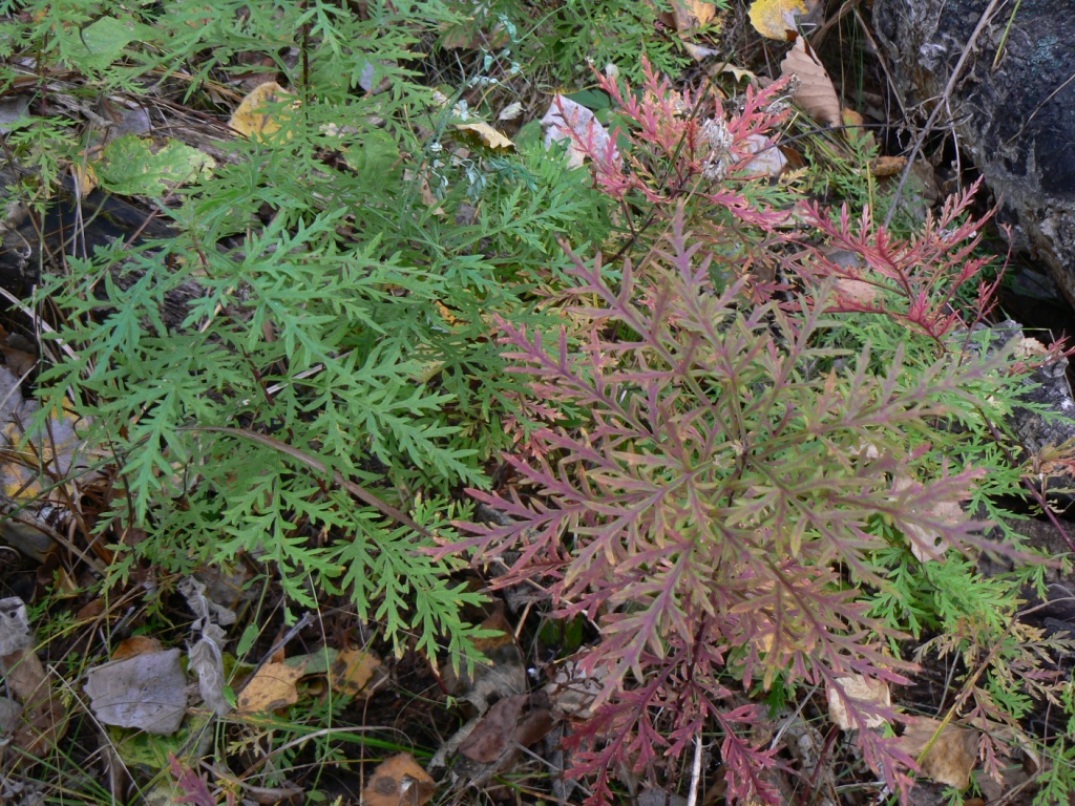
715, 475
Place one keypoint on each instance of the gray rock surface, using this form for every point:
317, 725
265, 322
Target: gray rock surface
1011, 104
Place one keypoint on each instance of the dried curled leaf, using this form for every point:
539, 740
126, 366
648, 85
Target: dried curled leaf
929, 543
815, 93
948, 752
856, 687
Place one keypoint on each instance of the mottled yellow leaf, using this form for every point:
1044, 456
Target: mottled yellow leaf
690, 14
258, 115
352, 670
776, 19
486, 135
399, 780
272, 688
85, 178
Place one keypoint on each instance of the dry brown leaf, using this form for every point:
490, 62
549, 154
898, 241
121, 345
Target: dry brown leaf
471, 34
690, 14
858, 292
768, 161
699, 52
254, 118
427, 194
926, 544
887, 166
950, 758
536, 724
857, 687
504, 676
492, 735
851, 289
42, 720
137, 645
510, 112
272, 688
1027, 347
777, 19
91, 611
815, 93
573, 692
15, 633
494, 742
511, 723
398, 781
147, 692
23, 673
466, 35
566, 116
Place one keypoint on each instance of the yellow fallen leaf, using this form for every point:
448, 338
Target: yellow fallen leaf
20, 472
352, 670
254, 116
446, 313
272, 688
776, 19
85, 178
399, 780
739, 73
690, 14
486, 135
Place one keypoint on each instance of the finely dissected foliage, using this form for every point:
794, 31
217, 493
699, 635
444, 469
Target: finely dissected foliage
729, 482
568, 39
928, 273
334, 334
684, 150
724, 477
734, 447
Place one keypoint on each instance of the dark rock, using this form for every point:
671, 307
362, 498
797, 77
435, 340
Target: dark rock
69, 228
33, 245
1012, 106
